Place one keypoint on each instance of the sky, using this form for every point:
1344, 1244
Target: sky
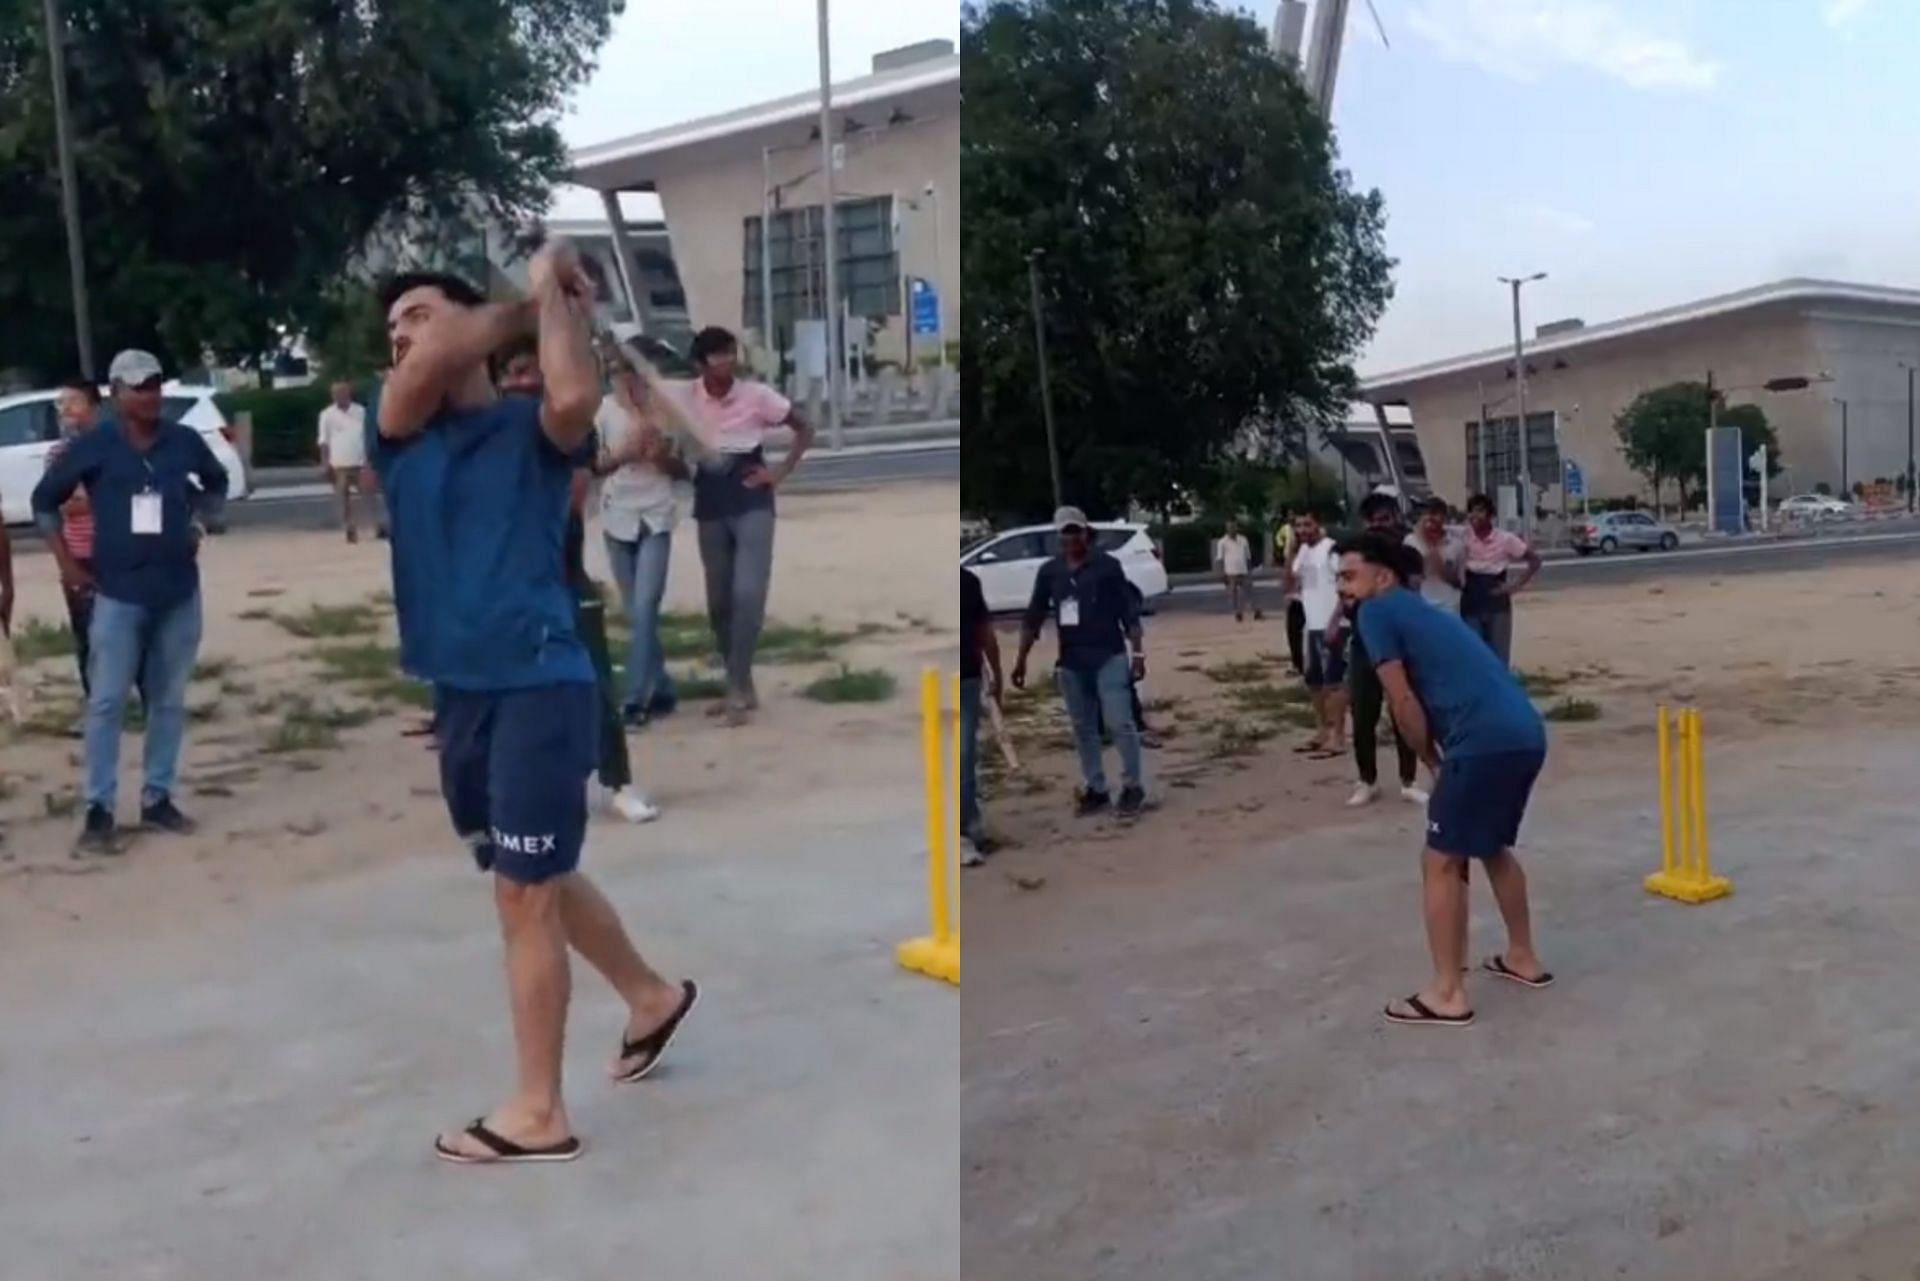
670, 61
1641, 152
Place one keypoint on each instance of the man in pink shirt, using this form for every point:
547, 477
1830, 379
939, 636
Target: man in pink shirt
1486, 593
733, 504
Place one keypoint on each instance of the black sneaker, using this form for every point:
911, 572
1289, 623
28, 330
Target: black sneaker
97, 833
1132, 801
1087, 804
161, 814
663, 705
634, 716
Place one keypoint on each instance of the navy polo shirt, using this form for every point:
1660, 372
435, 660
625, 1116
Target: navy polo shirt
477, 508
1102, 602
154, 570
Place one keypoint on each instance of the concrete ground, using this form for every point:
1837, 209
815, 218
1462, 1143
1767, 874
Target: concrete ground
1194, 1081
256, 1098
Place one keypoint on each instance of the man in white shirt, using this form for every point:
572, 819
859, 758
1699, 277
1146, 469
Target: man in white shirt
1313, 576
1233, 558
343, 452
644, 492
1442, 554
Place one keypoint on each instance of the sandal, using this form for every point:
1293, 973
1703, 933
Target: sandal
1497, 965
1421, 1014
650, 1048
504, 1151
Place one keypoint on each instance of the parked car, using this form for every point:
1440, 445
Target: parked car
1816, 507
1008, 563
1608, 532
29, 429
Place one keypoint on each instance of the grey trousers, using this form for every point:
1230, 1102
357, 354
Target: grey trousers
737, 553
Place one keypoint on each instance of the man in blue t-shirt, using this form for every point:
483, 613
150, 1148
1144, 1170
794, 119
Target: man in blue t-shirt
1459, 708
478, 489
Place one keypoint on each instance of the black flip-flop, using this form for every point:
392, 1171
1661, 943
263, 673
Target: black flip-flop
1497, 965
1325, 754
504, 1151
1424, 1016
1304, 748
652, 1047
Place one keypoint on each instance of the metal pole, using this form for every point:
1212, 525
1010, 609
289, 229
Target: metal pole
836, 342
766, 258
939, 276
1846, 477
1910, 506
1480, 482
69, 190
1046, 390
1520, 393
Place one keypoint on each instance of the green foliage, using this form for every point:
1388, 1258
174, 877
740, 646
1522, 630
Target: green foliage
1663, 434
1205, 266
234, 159
285, 422
849, 685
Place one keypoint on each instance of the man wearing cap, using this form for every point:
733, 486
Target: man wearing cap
154, 487
1092, 604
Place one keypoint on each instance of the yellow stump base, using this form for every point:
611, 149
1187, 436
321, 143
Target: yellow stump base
935, 958
1686, 860
1688, 890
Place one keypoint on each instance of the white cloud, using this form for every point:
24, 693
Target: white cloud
1559, 222
1839, 13
1527, 39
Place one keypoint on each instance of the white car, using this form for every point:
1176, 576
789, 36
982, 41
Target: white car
1816, 507
29, 430
1008, 563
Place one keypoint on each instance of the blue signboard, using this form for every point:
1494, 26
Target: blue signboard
1726, 481
1576, 482
926, 308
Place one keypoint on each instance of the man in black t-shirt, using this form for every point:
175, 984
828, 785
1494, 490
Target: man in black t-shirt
979, 656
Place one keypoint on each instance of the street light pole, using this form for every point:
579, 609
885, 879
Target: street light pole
69, 190
1046, 390
766, 258
939, 274
1520, 391
836, 342
1910, 500
1846, 483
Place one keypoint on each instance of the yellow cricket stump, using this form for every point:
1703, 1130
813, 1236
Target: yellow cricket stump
936, 954
1686, 865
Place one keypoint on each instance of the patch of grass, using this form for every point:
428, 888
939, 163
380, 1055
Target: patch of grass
203, 713
850, 686
1238, 673
52, 719
366, 661
699, 687
236, 689
1541, 683
35, 639
61, 804
1238, 738
687, 635
307, 726
321, 622
684, 635
1573, 710
256, 615
1270, 700
212, 669
401, 691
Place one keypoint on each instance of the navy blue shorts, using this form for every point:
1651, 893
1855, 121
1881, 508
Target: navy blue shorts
514, 767
1478, 802
1326, 664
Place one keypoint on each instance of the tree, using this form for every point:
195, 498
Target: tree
233, 159
1663, 434
1205, 267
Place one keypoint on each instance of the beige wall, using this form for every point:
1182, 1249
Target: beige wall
1603, 380
706, 207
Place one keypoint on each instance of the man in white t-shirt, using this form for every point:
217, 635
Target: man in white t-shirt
1233, 557
1313, 576
1442, 553
343, 452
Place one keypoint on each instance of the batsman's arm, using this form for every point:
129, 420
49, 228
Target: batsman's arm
570, 369
1408, 716
443, 353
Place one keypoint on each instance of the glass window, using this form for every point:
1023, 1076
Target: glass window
1112, 540
869, 271
1018, 547
27, 424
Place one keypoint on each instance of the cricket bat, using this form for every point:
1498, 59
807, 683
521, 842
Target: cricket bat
1000, 735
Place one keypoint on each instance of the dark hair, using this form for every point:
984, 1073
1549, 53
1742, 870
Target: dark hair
524, 345
1377, 549
1435, 504
456, 290
710, 342
1480, 502
1378, 502
83, 386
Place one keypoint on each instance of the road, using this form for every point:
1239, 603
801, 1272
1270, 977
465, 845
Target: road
1687, 563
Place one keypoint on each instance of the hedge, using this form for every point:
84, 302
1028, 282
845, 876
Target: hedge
1188, 548
286, 422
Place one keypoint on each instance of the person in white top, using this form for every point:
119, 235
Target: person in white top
343, 452
1312, 575
1443, 553
644, 493
1233, 557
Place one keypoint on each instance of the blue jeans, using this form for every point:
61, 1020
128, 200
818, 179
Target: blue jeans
640, 571
969, 757
131, 644
1091, 695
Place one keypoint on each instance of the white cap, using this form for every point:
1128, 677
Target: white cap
133, 367
1066, 518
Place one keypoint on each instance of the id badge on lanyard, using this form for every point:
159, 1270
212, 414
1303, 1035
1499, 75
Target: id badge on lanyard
148, 516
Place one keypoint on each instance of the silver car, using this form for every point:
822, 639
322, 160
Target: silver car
1608, 532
